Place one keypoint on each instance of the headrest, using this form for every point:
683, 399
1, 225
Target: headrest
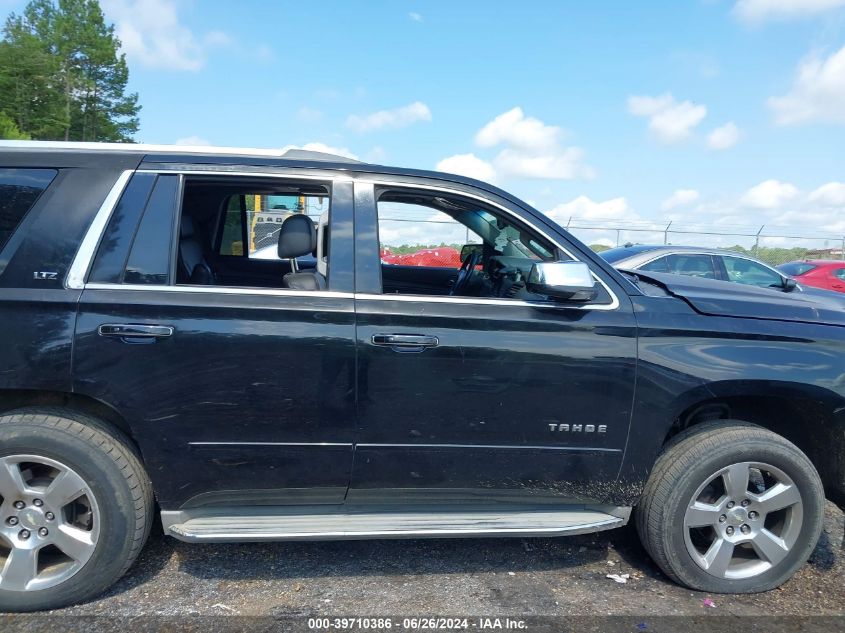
187, 227
297, 237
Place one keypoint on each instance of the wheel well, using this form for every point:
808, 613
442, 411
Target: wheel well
812, 425
11, 399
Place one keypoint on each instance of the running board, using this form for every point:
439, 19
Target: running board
204, 525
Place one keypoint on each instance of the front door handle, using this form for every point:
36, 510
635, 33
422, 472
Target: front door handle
134, 333
405, 342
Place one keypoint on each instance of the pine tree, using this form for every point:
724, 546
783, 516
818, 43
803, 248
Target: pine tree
84, 75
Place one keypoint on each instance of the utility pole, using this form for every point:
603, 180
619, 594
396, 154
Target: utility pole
666, 233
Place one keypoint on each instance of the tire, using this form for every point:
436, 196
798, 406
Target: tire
60, 455
694, 525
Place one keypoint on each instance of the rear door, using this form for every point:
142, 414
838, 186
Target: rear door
237, 395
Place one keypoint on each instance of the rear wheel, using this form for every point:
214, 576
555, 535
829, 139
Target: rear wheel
75, 508
731, 508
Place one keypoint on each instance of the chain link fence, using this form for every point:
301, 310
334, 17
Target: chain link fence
776, 245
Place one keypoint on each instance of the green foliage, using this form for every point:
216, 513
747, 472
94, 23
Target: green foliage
599, 248
61, 75
10, 131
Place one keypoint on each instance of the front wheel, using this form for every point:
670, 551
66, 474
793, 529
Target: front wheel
731, 508
75, 508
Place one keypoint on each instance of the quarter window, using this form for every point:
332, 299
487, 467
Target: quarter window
19, 190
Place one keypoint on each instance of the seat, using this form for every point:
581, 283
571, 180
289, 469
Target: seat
298, 237
193, 268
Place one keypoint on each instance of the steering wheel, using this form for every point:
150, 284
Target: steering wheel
465, 273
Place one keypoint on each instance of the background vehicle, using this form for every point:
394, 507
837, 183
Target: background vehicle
820, 273
711, 264
535, 390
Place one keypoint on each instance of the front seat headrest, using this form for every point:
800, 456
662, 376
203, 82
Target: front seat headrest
297, 237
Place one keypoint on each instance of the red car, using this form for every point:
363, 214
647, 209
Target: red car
821, 273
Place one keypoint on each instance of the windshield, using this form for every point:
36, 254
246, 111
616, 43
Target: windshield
794, 269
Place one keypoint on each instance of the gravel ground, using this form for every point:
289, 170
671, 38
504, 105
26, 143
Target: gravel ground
499, 577
553, 576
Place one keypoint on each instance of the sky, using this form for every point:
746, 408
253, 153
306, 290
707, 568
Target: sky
722, 114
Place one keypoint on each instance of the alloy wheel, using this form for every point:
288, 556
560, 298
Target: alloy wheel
743, 520
49, 522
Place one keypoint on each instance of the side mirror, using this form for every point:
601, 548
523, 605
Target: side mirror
789, 284
572, 281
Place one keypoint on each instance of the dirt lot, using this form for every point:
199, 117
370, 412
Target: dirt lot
563, 576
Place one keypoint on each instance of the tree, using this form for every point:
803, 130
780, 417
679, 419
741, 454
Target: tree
70, 75
10, 131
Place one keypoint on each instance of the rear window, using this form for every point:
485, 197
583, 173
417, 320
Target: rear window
19, 190
613, 255
794, 269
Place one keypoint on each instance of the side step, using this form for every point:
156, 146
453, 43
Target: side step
204, 525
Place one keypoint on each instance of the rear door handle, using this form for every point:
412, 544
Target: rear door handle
131, 332
405, 342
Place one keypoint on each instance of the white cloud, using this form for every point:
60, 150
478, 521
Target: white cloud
830, 195
681, 198
416, 17
195, 141
152, 33
532, 149
321, 147
563, 163
514, 128
584, 208
817, 93
723, 137
755, 11
670, 121
769, 194
468, 165
391, 119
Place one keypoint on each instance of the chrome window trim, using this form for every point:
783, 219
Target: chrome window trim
226, 290
614, 300
84, 258
487, 301
81, 264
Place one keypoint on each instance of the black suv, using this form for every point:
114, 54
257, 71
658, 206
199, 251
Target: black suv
228, 338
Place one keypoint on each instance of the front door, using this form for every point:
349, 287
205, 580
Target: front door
238, 392
481, 392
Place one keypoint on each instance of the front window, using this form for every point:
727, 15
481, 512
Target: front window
751, 273
434, 244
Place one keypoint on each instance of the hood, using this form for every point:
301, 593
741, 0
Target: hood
725, 298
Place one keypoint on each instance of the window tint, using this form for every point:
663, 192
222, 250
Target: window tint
114, 247
692, 265
19, 189
659, 265
751, 273
149, 259
839, 273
